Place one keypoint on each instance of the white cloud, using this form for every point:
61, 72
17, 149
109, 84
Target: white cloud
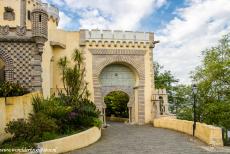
64, 20
198, 26
113, 14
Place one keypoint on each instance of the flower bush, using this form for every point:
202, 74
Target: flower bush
8, 89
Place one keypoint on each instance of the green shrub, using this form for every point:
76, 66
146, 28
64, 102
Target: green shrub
53, 107
97, 122
8, 89
16, 144
41, 123
70, 112
49, 136
217, 113
33, 129
19, 128
88, 108
185, 114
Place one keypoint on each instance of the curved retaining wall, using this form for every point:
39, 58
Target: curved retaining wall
72, 142
206, 133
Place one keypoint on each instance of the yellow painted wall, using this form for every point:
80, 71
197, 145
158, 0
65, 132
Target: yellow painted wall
207, 133
13, 108
71, 40
148, 86
14, 4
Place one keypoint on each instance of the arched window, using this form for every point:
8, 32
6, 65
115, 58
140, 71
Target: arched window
9, 14
40, 18
2, 70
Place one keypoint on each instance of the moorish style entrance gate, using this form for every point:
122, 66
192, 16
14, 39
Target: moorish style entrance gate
121, 61
118, 77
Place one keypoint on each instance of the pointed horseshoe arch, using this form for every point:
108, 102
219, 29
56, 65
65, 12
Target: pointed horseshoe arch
8, 61
137, 93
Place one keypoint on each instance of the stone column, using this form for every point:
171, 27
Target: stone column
104, 116
157, 102
37, 68
129, 105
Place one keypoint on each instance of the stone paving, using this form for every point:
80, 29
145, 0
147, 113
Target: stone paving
121, 138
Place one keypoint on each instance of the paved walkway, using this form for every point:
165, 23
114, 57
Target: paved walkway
132, 139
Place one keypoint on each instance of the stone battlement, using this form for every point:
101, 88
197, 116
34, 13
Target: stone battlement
116, 35
52, 10
160, 92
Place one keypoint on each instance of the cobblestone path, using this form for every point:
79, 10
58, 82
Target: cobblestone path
132, 139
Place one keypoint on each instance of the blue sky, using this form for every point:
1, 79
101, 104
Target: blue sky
184, 27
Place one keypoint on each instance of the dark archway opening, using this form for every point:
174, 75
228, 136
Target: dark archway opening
161, 105
2, 70
116, 106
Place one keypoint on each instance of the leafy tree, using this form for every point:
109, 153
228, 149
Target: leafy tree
182, 97
117, 104
213, 80
165, 80
73, 78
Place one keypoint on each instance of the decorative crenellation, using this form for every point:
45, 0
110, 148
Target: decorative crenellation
15, 34
4, 30
109, 38
158, 96
100, 51
52, 11
118, 43
160, 92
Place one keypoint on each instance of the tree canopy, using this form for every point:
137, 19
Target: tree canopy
213, 80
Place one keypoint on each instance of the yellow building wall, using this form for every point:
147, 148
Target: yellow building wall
14, 4
148, 86
30, 5
13, 108
52, 55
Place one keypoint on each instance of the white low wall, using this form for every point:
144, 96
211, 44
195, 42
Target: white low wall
72, 142
209, 134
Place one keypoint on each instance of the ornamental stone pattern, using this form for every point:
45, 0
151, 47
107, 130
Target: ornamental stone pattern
21, 50
18, 66
104, 57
